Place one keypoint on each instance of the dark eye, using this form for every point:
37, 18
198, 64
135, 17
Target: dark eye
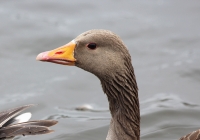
92, 46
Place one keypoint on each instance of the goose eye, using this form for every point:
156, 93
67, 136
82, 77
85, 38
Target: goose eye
92, 46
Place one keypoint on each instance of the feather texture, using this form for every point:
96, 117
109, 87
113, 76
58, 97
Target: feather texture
195, 135
12, 124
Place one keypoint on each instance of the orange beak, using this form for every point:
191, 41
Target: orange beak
63, 55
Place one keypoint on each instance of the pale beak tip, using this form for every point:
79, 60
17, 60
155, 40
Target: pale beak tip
39, 57
42, 56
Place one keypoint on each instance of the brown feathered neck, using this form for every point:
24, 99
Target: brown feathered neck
122, 93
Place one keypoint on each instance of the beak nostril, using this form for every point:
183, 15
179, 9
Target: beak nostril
59, 52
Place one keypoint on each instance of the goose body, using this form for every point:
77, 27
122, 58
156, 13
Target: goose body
103, 53
12, 124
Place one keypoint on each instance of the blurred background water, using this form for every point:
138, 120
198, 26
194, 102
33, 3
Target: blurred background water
163, 38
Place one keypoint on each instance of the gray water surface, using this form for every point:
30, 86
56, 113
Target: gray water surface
163, 38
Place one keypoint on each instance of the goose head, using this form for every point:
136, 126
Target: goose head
100, 52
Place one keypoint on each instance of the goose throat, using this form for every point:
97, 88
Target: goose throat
122, 93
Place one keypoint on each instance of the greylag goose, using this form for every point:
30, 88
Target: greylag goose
12, 124
103, 53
